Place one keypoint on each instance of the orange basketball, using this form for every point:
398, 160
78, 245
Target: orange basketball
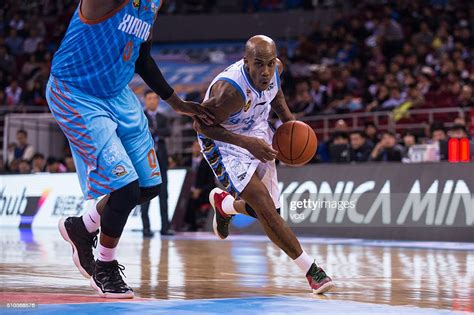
295, 142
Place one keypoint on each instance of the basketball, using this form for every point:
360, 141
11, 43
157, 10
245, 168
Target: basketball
295, 142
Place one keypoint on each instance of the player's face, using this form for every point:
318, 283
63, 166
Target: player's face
261, 69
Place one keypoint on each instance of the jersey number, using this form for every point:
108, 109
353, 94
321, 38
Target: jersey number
248, 122
152, 158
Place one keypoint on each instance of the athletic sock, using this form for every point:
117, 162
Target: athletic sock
228, 205
91, 219
106, 254
304, 262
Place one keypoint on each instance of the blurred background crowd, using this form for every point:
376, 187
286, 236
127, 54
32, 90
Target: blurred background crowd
379, 56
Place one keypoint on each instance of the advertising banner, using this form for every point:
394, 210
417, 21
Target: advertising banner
429, 201
40, 200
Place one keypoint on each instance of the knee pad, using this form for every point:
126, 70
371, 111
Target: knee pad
118, 208
148, 193
252, 212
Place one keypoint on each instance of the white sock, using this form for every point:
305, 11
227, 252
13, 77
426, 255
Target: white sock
304, 262
91, 219
106, 254
228, 205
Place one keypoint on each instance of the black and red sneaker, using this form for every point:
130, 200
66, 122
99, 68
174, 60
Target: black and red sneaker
74, 232
318, 280
221, 220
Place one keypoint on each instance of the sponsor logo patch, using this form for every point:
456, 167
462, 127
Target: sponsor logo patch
119, 171
247, 106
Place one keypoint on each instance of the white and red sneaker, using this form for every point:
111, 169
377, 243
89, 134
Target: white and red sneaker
318, 280
221, 220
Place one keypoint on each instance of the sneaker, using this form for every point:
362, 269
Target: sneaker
108, 281
221, 220
318, 280
74, 232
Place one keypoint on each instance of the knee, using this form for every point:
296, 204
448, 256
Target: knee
148, 193
126, 197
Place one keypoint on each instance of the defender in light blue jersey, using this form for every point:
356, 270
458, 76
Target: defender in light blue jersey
107, 41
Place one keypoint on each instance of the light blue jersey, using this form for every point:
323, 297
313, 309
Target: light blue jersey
88, 96
98, 56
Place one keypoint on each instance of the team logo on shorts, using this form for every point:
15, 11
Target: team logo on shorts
136, 4
119, 171
238, 168
111, 154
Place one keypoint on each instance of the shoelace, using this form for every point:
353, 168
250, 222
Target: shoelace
94, 241
319, 275
112, 273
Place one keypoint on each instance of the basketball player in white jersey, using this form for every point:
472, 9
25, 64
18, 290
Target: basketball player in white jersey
238, 149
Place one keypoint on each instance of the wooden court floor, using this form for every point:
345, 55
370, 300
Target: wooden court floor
197, 266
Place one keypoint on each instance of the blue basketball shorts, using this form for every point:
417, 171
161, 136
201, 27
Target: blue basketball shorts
109, 138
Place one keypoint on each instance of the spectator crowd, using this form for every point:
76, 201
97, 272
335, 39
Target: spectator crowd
379, 56
22, 158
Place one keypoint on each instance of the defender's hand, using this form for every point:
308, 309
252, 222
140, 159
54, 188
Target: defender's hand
194, 109
260, 149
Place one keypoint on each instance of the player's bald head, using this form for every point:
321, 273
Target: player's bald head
260, 46
260, 61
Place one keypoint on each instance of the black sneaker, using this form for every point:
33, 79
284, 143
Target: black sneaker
108, 281
74, 232
221, 221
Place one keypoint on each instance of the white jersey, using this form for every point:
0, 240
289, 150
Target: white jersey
233, 165
253, 117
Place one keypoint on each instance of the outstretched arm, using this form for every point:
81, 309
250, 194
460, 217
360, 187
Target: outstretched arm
224, 101
147, 68
279, 105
